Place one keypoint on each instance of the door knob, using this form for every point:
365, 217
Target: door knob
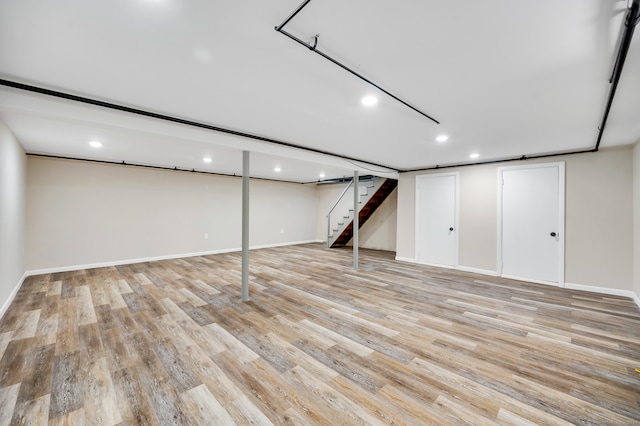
450, 229
553, 234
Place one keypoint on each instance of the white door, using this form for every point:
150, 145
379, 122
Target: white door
436, 241
533, 223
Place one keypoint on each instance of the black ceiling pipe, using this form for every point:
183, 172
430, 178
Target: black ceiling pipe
313, 48
63, 95
630, 22
293, 14
148, 166
172, 119
632, 19
501, 160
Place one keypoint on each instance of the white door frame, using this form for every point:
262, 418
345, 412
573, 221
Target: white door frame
456, 175
561, 210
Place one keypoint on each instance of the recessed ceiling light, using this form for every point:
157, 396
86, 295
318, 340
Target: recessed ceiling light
442, 138
369, 100
203, 55
277, 169
322, 174
95, 144
207, 159
474, 155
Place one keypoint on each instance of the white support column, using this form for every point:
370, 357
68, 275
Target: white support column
356, 218
245, 226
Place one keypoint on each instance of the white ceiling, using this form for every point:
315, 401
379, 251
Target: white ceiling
504, 78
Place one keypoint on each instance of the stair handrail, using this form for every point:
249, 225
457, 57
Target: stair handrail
334, 206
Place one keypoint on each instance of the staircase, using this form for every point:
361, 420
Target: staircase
376, 191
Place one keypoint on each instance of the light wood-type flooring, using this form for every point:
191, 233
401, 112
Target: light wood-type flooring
170, 342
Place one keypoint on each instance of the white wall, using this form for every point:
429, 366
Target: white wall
81, 213
599, 217
599, 224
379, 231
13, 166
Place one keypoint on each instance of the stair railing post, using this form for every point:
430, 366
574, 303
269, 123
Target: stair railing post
356, 220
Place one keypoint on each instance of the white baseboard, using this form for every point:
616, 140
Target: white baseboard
477, 271
156, 258
531, 280
458, 267
581, 287
605, 290
295, 243
12, 296
405, 259
417, 262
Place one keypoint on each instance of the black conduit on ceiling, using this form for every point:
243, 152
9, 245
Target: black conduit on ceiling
632, 19
630, 22
313, 48
172, 119
171, 169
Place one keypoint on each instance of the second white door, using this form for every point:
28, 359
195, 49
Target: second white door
532, 222
436, 197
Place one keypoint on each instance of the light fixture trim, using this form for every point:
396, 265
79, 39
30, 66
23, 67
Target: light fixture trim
474, 155
369, 100
207, 159
442, 138
277, 169
95, 144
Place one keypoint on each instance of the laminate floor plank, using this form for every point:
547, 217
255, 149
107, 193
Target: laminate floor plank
75, 418
100, 400
211, 375
203, 408
27, 325
264, 388
134, 404
67, 383
170, 342
335, 407
246, 412
33, 412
